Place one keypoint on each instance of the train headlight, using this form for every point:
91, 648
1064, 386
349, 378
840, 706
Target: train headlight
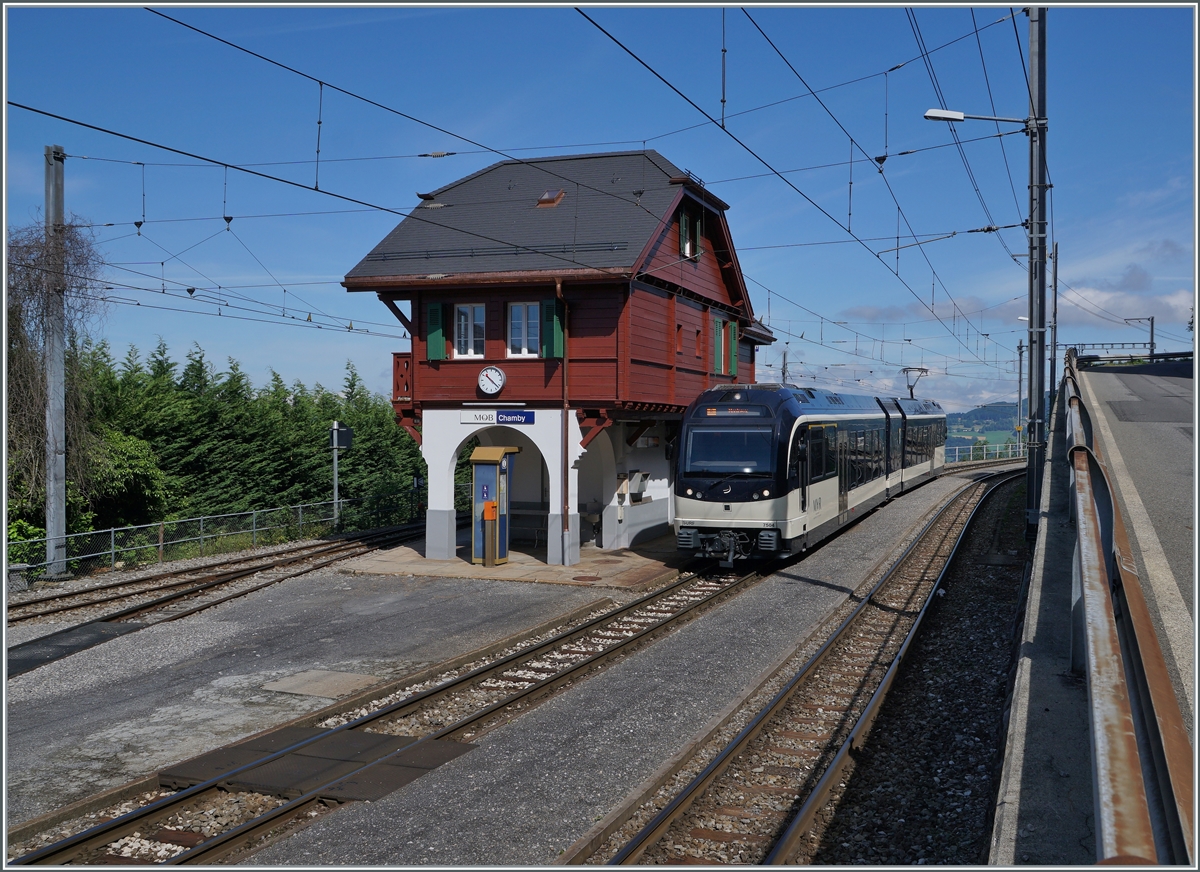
689, 492
755, 495
766, 493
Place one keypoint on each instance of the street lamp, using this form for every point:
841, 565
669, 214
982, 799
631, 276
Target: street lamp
1035, 129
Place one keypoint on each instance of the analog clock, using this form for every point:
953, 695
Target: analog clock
491, 379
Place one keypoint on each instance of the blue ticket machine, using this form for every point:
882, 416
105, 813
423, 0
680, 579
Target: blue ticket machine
490, 468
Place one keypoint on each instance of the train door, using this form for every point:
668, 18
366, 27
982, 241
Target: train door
822, 466
843, 476
798, 467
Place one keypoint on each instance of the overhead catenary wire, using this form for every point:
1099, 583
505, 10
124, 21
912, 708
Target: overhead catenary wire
992, 102
854, 144
937, 88
213, 301
899, 210
472, 142
761, 160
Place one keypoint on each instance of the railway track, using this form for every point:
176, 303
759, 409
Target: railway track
130, 597
755, 800
95, 614
229, 812
376, 746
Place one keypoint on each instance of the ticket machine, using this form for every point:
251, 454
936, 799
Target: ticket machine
490, 469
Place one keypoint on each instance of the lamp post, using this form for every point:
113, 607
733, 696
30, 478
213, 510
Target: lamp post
1035, 129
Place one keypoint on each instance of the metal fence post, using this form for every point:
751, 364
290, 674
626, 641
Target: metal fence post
201, 536
254, 528
160, 540
112, 546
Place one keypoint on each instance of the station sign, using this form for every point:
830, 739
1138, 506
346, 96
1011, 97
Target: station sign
496, 416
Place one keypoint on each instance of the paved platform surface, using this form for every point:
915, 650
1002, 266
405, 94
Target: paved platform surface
629, 568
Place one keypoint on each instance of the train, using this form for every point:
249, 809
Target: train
767, 470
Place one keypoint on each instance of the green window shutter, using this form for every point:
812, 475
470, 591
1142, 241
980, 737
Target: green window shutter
552, 328
733, 348
718, 343
435, 333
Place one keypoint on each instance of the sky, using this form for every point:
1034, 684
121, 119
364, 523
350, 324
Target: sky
813, 96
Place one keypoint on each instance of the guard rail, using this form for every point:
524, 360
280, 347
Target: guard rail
1141, 756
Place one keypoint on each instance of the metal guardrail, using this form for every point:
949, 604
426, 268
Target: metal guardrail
1086, 360
125, 547
1141, 756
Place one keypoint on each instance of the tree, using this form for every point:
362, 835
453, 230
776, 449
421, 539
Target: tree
28, 299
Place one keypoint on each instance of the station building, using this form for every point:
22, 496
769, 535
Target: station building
570, 307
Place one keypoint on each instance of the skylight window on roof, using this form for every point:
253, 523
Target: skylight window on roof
552, 197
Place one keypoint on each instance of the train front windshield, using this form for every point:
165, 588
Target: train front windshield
726, 450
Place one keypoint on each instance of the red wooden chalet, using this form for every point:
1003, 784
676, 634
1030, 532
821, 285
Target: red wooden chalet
603, 283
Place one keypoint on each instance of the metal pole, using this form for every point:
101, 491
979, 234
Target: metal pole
1020, 369
1036, 128
1054, 323
335, 481
254, 528
1151, 337
56, 316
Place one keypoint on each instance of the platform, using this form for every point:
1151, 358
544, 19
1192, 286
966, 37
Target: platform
640, 566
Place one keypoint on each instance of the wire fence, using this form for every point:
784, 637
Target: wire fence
983, 451
130, 547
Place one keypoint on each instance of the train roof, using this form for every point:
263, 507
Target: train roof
774, 394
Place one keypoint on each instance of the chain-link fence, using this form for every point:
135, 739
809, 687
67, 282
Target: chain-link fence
983, 451
128, 547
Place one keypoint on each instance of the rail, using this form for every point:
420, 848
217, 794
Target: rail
966, 453
1141, 756
126, 547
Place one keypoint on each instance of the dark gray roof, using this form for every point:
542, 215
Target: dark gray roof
490, 220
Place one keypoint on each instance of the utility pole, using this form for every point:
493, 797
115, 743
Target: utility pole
1036, 129
56, 317
340, 437
1054, 324
1020, 367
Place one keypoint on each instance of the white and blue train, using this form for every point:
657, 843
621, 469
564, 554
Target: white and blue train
766, 470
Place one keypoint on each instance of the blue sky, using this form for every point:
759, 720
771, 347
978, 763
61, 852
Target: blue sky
537, 81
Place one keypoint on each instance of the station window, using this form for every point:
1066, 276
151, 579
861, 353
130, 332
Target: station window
689, 234
468, 331
524, 320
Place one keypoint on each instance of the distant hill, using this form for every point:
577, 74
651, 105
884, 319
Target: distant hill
993, 416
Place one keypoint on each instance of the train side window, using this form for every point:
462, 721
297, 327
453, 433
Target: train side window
830, 451
799, 452
816, 454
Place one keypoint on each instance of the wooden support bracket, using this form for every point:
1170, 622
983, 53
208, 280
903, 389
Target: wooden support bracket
400, 316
